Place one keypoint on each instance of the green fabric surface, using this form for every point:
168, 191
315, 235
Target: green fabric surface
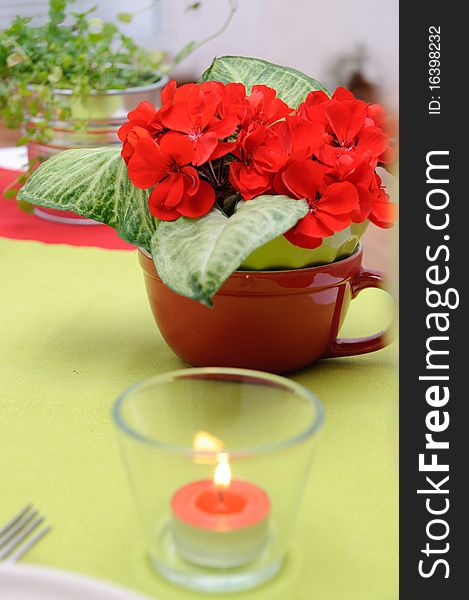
75, 330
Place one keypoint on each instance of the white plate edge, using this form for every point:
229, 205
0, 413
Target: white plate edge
88, 584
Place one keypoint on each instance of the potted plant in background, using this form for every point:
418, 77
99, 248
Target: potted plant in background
247, 195
70, 82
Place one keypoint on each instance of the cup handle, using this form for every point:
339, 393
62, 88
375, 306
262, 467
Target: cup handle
351, 347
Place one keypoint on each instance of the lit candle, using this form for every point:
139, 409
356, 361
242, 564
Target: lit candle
220, 522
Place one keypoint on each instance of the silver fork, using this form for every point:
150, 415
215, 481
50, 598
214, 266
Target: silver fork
17, 537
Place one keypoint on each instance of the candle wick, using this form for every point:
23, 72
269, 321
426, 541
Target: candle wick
221, 496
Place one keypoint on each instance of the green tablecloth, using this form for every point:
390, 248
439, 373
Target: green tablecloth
75, 329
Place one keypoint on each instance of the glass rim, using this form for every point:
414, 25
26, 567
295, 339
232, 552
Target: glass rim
149, 87
313, 426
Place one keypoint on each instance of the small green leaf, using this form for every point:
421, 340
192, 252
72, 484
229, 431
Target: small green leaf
96, 24
194, 257
25, 207
292, 86
55, 75
15, 58
93, 183
10, 193
125, 17
156, 57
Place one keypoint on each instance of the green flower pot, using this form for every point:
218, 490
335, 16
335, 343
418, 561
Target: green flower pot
281, 254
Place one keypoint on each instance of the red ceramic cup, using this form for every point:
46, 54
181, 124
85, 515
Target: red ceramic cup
277, 321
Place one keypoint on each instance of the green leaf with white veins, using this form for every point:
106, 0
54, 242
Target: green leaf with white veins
194, 257
93, 182
292, 86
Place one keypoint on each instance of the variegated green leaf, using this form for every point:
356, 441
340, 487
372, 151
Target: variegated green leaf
292, 86
93, 182
195, 256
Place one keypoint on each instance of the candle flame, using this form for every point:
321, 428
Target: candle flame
206, 442
222, 475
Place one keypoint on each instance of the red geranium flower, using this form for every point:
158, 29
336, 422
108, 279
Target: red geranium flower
265, 107
374, 202
233, 101
378, 116
381, 119
300, 179
246, 175
312, 110
330, 206
143, 121
194, 114
352, 136
166, 165
362, 178
168, 92
326, 152
383, 213
290, 139
263, 151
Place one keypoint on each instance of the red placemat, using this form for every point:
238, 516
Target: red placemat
18, 225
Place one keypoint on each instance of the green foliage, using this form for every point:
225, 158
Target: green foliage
194, 257
125, 17
292, 86
79, 52
72, 50
93, 182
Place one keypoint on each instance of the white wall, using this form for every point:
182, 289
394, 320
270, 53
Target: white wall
310, 35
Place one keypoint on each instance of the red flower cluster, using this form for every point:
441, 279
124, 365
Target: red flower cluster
210, 140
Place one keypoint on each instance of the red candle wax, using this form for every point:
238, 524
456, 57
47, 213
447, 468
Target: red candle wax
203, 505
215, 526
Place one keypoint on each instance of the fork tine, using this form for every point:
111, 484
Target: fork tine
15, 519
17, 527
28, 544
25, 519
21, 532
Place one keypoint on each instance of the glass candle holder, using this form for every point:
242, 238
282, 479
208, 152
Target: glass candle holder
218, 460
